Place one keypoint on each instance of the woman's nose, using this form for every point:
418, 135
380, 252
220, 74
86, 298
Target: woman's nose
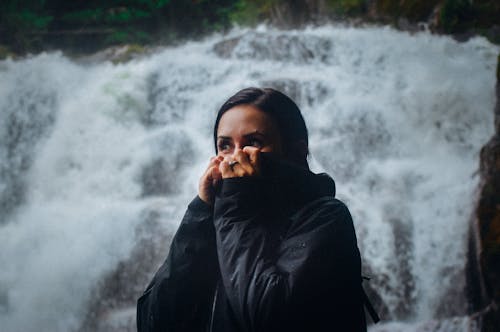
236, 149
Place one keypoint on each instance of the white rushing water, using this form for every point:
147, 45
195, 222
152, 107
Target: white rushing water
98, 162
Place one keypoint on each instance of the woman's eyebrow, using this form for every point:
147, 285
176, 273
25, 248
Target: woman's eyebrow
223, 137
255, 133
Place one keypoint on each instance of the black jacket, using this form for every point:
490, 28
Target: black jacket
276, 253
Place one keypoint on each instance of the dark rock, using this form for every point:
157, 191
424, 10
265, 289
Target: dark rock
308, 93
5, 53
116, 54
398, 280
170, 94
276, 47
373, 293
488, 222
475, 292
162, 175
225, 48
497, 107
403, 232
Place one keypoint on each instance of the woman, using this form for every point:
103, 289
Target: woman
264, 246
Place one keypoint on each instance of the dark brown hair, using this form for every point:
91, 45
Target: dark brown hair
283, 111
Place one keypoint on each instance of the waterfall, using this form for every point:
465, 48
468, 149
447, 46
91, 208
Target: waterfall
99, 160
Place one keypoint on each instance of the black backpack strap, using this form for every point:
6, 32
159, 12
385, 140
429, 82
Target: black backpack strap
368, 304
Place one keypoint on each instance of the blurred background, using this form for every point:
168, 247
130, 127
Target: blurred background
106, 114
87, 26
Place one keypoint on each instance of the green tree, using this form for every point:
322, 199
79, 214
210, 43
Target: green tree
19, 20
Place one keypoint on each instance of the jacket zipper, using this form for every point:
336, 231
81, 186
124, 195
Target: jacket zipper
213, 309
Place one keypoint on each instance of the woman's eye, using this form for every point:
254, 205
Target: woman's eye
223, 146
256, 143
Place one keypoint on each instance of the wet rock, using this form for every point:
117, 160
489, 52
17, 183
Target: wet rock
165, 105
162, 174
373, 293
5, 53
116, 54
225, 48
170, 94
488, 221
113, 300
475, 292
403, 232
308, 93
298, 49
453, 301
26, 118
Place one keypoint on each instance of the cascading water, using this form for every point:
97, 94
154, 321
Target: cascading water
98, 162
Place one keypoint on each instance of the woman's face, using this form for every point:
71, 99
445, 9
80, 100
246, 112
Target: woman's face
246, 125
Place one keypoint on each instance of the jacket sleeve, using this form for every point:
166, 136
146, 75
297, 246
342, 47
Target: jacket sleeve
182, 288
293, 281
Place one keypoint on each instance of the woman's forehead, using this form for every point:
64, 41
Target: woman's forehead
244, 120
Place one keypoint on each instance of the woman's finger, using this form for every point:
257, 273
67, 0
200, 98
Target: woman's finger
244, 166
232, 169
208, 175
254, 157
215, 174
226, 170
209, 180
215, 161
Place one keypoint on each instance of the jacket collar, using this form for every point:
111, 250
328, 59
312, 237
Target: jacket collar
293, 185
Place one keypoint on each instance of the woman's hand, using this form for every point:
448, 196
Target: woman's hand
209, 180
242, 163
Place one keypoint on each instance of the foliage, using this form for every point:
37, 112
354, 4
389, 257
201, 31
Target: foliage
487, 13
348, 7
456, 15
31, 20
126, 36
18, 19
5, 53
418, 10
413, 10
246, 12
110, 16
32, 25
26, 25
